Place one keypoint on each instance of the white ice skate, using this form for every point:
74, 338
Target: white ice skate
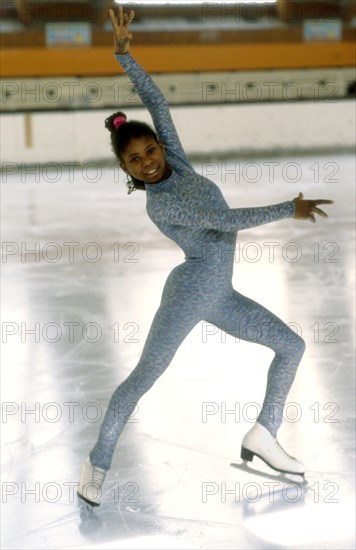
259, 442
91, 481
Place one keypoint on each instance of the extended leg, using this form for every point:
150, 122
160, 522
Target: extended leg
171, 324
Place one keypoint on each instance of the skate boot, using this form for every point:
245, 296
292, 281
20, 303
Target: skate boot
259, 442
91, 482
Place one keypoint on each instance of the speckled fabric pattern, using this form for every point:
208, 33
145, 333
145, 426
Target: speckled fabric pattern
191, 210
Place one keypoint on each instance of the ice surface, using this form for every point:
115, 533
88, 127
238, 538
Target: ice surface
90, 291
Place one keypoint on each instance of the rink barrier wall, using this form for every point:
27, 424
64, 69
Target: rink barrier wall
223, 131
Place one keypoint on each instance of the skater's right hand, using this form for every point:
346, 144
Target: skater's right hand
120, 24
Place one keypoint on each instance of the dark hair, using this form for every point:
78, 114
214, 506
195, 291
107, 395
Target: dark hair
121, 137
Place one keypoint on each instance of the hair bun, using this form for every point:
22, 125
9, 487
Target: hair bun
114, 121
118, 121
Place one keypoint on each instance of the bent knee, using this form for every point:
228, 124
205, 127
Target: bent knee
301, 345
297, 343
289, 342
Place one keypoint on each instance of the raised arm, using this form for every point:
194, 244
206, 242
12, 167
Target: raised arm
150, 94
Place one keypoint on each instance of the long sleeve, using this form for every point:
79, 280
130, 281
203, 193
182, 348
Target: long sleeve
179, 204
155, 102
171, 210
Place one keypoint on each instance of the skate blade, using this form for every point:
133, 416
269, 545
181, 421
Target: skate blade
278, 476
248, 455
89, 504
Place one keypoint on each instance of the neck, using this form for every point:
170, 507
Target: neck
167, 172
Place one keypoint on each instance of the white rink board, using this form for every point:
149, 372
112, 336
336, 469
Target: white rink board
228, 130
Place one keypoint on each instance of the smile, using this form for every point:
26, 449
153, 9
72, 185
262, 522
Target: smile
151, 172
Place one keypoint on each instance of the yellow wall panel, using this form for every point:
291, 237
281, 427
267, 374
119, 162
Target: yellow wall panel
19, 62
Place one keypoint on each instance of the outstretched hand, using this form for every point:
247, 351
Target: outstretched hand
305, 209
120, 24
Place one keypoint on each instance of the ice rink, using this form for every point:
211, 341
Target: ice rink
83, 268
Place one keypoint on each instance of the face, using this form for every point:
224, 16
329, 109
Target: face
144, 159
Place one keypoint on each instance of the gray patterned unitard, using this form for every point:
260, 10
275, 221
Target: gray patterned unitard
191, 210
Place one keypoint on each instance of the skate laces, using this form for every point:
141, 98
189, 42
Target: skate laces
281, 450
97, 475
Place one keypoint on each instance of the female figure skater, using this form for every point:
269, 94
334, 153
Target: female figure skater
191, 210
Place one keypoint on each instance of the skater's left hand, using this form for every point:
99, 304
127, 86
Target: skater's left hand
305, 209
